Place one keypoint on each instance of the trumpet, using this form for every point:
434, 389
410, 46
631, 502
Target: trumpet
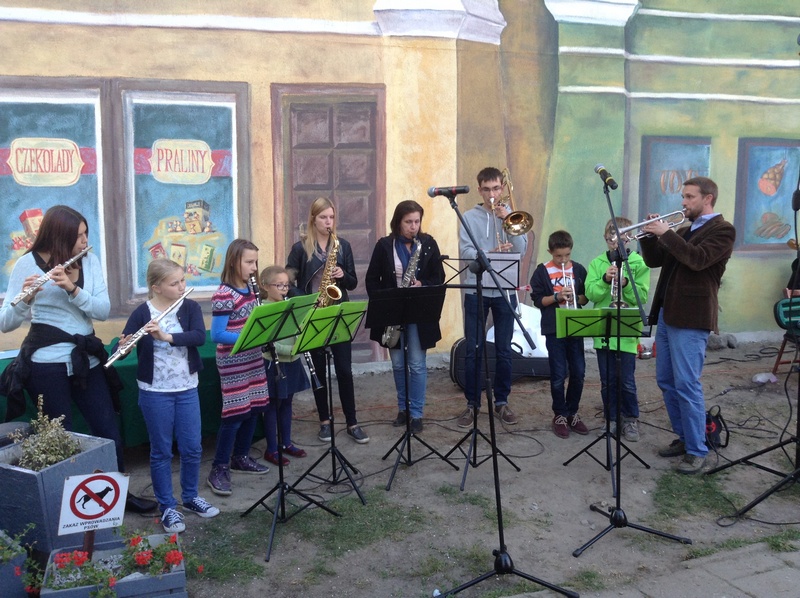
46, 276
616, 295
568, 284
671, 219
124, 348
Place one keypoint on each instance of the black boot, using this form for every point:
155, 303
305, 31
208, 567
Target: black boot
136, 504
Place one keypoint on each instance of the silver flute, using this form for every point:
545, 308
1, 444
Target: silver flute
124, 348
25, 293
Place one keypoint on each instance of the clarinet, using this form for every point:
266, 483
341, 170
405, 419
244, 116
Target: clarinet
45, 277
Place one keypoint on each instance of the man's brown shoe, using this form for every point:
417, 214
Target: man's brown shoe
465, 419
505, 414
676, 448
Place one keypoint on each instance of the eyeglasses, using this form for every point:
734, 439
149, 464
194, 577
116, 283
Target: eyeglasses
496, 189
279, 285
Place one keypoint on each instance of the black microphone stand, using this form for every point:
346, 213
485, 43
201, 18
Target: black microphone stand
616, 516
610, 464
503, 565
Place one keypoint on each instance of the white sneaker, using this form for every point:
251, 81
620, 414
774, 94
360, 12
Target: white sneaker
172, 521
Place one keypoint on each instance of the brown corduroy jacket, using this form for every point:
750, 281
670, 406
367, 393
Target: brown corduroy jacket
689, 294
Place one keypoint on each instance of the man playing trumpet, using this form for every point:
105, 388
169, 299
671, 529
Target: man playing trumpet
685, 306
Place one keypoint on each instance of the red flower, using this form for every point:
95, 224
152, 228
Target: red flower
143, 558
173, 557
17, 570
136, 540
79, 557
200, 568
173, 539
112, 581
62, 559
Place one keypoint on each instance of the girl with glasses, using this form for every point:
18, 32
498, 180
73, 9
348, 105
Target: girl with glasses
274, 282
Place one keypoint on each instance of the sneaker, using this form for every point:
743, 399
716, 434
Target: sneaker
416, 425
560, 426
293, 451
466, 419
172, 521
273, 458
219, 480
505, 414
577, 426
357, 434
246, 464
691, 464
200, 506
676, 448
630, 429
400, 420
324, 432
612, 429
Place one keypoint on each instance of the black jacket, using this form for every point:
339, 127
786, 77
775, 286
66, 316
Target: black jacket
381, 275
306, 268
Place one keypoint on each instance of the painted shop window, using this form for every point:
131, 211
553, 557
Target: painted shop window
49, 155
767, 176
666, 163
181, 183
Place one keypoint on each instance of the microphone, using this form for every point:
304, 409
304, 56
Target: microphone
448, 191
606, 176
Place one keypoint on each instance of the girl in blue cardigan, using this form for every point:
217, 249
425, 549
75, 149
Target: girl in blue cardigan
167, 376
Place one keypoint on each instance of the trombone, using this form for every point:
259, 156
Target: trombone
517, 222
673, 219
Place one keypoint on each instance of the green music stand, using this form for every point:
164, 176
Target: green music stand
322, 328
266, 324
272, 322
607, 322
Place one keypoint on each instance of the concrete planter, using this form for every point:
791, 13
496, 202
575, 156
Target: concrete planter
35, 496
9, 580
172, 584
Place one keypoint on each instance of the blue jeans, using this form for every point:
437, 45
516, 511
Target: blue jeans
171, 415
417, 372
475, 336
607, 362
94, 402
679, 365
235, 438
565, 356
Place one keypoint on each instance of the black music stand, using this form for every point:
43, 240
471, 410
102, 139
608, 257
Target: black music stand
504, 280
606, 322
400, 307
503, 564
324, 327
269, 323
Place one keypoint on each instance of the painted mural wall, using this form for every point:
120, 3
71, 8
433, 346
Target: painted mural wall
547, 88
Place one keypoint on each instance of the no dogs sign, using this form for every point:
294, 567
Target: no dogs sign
93, 501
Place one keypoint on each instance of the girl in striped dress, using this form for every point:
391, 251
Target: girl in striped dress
243, 377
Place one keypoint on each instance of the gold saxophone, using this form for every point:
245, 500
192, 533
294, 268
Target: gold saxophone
329, 293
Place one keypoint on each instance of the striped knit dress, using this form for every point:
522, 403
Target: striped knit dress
243, 377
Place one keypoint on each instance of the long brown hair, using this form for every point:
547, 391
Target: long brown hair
233, 258
317, 207
58, 234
